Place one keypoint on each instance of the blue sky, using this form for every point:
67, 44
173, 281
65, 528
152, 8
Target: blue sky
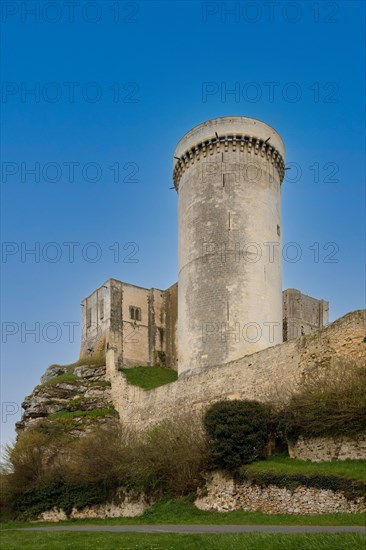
112, 98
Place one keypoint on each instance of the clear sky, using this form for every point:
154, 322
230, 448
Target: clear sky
115, 86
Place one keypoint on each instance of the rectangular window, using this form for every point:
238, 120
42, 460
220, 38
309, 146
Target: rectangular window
101, 309
135, 313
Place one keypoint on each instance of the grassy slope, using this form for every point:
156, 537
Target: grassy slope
130, 541
149, 378
349, 469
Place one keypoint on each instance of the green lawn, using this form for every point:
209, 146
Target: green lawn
183, 512
14, 540
149, 378
350, 469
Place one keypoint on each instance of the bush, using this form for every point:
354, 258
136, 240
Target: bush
331, 402
101, 457
34, 458
45, 469
170, 458
165, 460
33, 462
238, 432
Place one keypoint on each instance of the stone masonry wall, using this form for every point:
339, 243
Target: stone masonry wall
153, 339
223, 494
228, 177
302, 314
322, 449
266, 375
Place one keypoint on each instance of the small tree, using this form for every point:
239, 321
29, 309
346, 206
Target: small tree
238, 432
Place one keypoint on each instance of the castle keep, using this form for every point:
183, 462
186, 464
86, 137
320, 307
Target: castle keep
228, 302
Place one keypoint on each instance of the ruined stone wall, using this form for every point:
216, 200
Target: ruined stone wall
135, 341
302, 314
266, 375
96, 318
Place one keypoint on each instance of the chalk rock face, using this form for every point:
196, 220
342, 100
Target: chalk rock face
52, 372
92, 374
73, 398
129, 507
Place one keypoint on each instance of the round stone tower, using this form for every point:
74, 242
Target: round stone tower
228, 173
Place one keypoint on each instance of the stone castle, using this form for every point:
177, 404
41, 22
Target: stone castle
228, 302
226, 326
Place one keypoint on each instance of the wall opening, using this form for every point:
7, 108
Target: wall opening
135, 313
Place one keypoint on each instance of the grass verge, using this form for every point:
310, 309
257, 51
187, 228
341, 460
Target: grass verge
349, 469
149, 378
183, 512
147, 541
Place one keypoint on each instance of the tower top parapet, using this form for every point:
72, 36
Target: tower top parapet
230, 132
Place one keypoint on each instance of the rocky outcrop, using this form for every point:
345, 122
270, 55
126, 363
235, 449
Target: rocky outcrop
223, 494
75, 398
127, 508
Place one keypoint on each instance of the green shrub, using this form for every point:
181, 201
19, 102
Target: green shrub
238, 432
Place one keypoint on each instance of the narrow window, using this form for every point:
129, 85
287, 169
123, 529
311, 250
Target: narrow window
135, 313
88, 318
161, 335
101, 309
